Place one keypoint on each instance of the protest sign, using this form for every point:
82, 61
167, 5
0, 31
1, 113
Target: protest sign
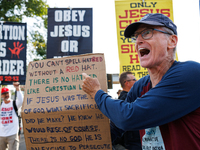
127, 12
56, 113
12, 52
69, 32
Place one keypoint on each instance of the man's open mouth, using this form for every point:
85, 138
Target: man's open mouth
144, 51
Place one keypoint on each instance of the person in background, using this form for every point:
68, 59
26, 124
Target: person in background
118, 92
127, 80
163, 105
9, 122
130, 139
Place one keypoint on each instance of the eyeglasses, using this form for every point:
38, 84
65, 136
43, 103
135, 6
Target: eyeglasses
130, 80
146, 34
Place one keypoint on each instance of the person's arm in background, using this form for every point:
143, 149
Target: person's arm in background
20, 96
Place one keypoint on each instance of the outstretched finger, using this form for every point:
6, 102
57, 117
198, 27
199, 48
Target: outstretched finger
85, 75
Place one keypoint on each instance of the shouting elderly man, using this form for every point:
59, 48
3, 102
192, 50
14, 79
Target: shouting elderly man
166, 107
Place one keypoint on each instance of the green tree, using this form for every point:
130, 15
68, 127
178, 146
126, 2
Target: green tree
18, 10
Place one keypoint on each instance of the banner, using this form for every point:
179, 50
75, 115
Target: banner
57, 114
127, 12
69, 31
12, 52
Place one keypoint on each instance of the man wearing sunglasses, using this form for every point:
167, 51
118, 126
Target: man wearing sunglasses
130, 139
163, 105
127, 80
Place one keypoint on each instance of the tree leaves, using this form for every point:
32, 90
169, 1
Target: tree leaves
16, 10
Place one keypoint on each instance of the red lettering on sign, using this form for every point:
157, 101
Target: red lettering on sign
138, 13
128, 48
134, 59
72, 69
9, 78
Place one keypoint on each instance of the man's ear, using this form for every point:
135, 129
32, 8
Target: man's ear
173, 39
125, 83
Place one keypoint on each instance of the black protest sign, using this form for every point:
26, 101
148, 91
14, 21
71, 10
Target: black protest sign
12, 52
69, 32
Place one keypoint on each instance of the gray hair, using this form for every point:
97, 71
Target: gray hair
172, 33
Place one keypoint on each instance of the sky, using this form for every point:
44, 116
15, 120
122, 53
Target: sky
186, 17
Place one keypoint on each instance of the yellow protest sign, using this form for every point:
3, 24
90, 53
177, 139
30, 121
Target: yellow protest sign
56, 113
127, 12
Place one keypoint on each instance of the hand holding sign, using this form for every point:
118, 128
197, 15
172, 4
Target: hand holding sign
90, 85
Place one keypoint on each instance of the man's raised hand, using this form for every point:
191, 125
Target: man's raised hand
90, 85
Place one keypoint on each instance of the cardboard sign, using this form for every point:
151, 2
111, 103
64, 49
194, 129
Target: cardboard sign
57, 113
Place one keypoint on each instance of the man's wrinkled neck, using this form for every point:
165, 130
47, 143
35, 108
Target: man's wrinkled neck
158, 72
